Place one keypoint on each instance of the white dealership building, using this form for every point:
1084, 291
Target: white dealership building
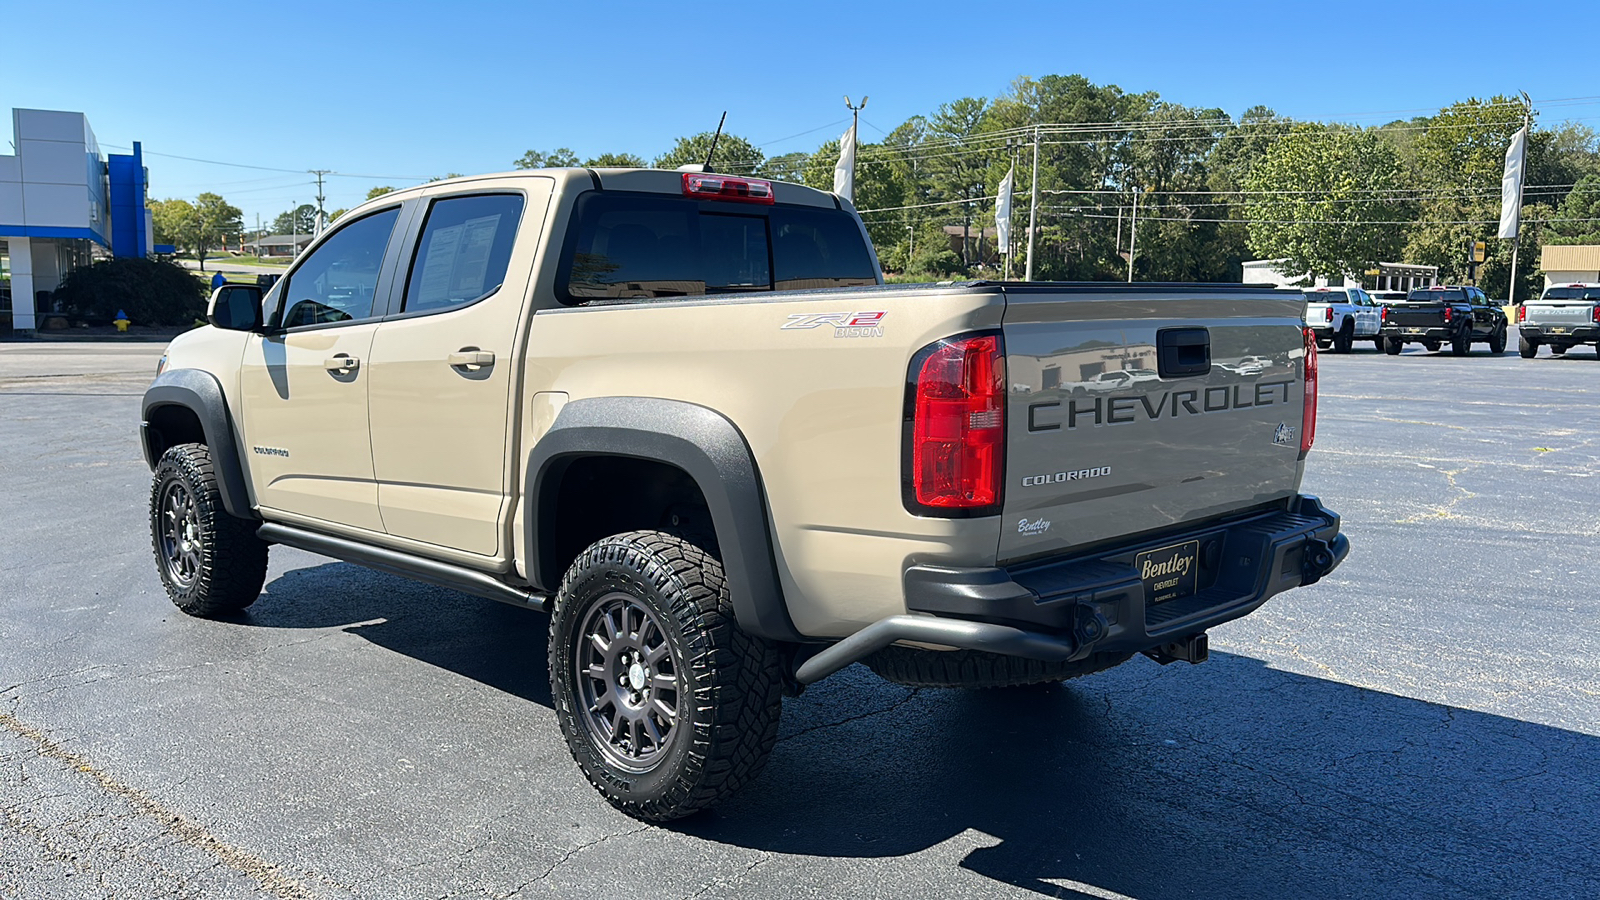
62, 202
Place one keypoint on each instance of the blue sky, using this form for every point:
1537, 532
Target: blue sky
406, 90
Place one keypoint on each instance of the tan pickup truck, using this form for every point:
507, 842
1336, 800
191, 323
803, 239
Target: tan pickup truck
680, 412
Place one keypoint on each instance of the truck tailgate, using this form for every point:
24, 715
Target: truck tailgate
1416, 315
1090, 459
1559, 312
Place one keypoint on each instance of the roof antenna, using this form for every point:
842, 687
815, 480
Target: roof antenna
713, 151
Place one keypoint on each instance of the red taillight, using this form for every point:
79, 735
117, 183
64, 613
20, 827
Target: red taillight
723, 187
1522, 313
1308, 422
958, 425
1595, 314
1330, 314
1449, 313
1383, 314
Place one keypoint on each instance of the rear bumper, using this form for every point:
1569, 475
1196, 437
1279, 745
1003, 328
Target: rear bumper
1322, 333
1576, 334
1069, 610
1421, 332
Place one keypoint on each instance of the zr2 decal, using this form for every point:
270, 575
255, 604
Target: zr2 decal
844, 325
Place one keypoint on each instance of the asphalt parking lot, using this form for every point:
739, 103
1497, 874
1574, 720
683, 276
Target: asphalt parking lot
1423, 723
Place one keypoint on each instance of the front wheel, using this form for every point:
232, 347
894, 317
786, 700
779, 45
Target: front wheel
1379, 342
1527, 348
211, 563
667, 706
1393, 346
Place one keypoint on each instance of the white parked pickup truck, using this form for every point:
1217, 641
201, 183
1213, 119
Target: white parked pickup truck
1566, 316
1339, 316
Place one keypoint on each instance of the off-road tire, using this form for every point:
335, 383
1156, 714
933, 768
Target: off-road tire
1379, 342
915, 667
1431, 346
1393, 346
1461, 344
1528, 348
1497, 341
218, 565
1345, 338
729, 685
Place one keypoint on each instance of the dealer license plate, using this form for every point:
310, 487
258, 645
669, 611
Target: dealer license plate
1557, 329
1170, 572
1415, 330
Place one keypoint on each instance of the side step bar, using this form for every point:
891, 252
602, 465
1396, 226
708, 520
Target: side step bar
397, 562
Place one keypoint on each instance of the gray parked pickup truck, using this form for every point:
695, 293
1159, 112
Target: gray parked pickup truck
678, 412
1566, 316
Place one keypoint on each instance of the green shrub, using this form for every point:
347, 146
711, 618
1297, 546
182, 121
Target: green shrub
150, 292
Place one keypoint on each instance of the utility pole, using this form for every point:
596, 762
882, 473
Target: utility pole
1133, 233
1033, 204
258, 234
855, 135
1516, 242
294, 229
320, 217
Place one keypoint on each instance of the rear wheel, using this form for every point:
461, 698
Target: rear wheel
1497, 341
666, 705
1528, 348
211, 563
915, 667
1345, 338
1378, 342
1461, 344
1393, 346
1558, 349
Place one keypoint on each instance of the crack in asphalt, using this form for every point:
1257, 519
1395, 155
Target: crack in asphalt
269, 876
911, 694
567, 857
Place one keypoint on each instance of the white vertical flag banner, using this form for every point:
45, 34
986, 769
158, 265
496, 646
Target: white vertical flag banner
1002, 211
1511, 184
844, 172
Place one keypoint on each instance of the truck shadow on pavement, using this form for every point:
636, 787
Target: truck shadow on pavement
1231, 779
492, 643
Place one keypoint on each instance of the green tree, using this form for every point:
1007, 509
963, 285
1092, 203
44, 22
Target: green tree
959, 170
615, 161
216, 219
379, 192
735, 155
173, 221
300, 220
1323, 199
790, 167
561, 157
1577, 220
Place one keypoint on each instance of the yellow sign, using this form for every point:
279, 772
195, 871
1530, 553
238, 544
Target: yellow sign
1480, 251
1374, 272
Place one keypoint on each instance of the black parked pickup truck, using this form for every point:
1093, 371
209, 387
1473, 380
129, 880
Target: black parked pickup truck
1432, 317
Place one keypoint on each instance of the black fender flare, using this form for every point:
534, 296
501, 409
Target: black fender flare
199, 392
706, 446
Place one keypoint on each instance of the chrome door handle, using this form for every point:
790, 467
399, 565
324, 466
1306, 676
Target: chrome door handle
341, 362
470, 356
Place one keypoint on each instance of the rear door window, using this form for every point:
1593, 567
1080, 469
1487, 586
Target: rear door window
464, 251
629, 245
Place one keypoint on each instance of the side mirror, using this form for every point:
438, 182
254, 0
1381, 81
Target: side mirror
235, 307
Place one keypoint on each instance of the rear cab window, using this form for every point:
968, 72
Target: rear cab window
627, 245
464, 251
1572, 293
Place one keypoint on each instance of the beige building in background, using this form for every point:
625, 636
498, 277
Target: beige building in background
1570, 263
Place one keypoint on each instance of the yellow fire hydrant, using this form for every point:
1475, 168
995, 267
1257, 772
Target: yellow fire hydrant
121, 321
